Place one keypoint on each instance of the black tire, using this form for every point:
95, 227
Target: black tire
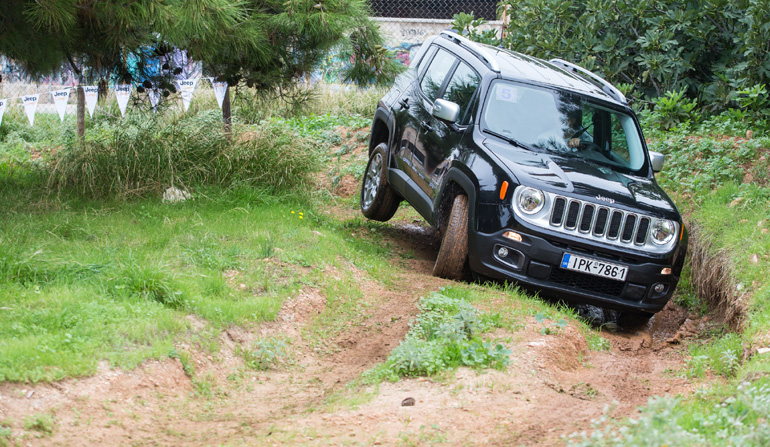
378, 200
634, 319
453, 255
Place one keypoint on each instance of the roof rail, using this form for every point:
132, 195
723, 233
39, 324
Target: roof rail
606, 86
474, 48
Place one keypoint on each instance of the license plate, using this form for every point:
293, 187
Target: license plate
594, 267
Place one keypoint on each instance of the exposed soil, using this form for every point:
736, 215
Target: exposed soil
554, 386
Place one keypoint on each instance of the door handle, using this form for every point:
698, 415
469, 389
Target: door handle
427, 126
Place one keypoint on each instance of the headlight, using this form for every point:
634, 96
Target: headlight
530, 200
662, 231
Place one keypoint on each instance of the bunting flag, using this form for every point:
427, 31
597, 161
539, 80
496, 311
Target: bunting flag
30, 105
60, 98
186, 88
219, 90
154, 97
2, 109
92, 94
122, 93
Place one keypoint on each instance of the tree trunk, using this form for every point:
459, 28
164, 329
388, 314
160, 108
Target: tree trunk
81, 113
226, 114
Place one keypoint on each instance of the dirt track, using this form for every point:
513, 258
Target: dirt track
554, 386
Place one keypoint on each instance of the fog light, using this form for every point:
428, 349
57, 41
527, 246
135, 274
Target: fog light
666, 271
512, 235
502, 252
659, 288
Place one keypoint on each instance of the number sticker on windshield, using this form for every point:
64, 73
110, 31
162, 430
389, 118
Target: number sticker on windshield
507, 93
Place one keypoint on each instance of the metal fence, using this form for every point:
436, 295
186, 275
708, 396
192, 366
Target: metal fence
406, 23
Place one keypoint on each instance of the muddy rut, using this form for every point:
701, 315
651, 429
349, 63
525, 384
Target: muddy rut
554, 386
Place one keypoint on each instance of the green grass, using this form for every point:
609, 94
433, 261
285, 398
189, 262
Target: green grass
88, 281
91, 284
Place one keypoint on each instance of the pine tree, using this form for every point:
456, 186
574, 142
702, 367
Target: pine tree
265, 44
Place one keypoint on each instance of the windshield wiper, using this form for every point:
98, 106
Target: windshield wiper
513, 141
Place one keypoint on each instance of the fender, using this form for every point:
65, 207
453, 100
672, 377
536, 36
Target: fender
465, 178
382, 114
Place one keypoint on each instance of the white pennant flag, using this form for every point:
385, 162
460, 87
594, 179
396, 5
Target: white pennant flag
186, 88
219, 91
154, 97
60, 98
2, 109
122, 93
92, 94
30, 105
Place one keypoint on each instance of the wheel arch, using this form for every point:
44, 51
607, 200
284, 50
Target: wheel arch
456, 182
382, 129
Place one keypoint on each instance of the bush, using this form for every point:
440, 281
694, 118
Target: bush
144, 155
711, 48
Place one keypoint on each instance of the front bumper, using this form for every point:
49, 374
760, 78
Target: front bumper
536, 260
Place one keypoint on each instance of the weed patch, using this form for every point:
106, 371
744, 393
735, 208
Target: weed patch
446, 334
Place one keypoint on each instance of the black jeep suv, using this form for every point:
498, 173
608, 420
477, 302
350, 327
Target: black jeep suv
534, 172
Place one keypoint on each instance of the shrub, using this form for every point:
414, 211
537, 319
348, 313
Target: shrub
445, 334
143, 155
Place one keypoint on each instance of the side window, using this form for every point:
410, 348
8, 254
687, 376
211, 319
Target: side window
461, 88
436, 73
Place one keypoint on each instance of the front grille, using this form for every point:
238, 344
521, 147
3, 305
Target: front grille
641, 233
628, 228
601, 222
572, 215
588, 283
585, 221
557, 216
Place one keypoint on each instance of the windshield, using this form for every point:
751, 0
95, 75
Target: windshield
564, 123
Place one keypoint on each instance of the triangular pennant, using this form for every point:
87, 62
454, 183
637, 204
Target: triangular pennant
2, 109
186, 88
122, 93
30, 105
92, 94
219, 91
60, 98
154, 97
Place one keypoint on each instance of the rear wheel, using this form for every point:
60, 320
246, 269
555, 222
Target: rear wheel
378, 200
453, 254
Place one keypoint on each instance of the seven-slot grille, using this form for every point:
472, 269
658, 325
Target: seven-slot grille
600, 221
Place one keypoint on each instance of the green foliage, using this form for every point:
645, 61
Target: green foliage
702, 163
145, 155
550, 328
264, 44
446, 334
469, 26
674, 109
40, 422
266, 353
738, 419
709, 49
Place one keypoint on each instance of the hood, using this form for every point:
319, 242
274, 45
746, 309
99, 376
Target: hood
579, 178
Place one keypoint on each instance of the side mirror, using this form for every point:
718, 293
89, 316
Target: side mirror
657, 159
446, 111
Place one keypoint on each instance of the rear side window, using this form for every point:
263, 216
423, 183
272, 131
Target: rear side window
436, 73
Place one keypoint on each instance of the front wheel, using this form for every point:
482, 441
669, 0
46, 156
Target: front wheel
453, 254
378, 200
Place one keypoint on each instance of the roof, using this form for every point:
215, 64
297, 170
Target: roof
518, 66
